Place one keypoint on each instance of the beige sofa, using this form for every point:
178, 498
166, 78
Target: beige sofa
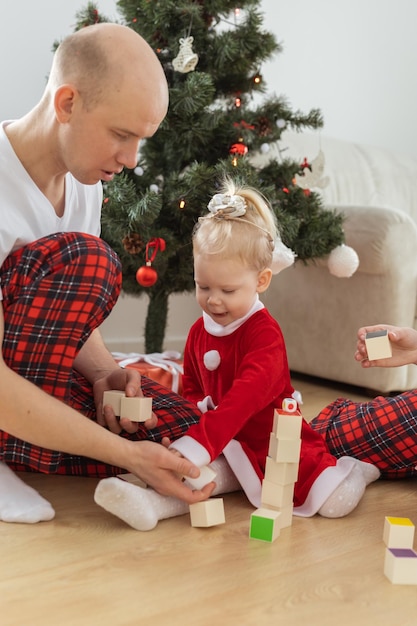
319, 313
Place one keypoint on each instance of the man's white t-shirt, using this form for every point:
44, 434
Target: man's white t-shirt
27, 215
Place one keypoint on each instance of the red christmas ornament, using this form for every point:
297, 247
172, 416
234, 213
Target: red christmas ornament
239, 148
147, 275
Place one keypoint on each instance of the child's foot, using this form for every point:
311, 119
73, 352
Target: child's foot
346, 497
19, 502
370, 472
143, 508
140, 508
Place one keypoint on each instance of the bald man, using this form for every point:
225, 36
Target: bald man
106, 91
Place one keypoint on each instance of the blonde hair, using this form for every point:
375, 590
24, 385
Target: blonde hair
249, 238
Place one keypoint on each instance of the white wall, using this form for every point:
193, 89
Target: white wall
356, 60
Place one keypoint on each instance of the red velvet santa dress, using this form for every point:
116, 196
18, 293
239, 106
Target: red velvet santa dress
237, 375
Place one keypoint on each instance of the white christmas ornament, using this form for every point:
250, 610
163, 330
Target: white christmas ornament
186, 59
265, 147
138, 171
154, 188
343, 261
314, 177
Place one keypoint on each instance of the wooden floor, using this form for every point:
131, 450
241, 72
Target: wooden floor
87, 568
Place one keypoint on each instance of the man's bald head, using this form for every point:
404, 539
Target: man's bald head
105, 57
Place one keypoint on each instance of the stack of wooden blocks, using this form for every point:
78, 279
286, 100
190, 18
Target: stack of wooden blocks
281, 471
400, 565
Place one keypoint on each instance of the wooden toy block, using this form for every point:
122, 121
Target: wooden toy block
136, 409
400, 566
398, 532
207, 513
265, 525
284, 450
285, 518
378, 345
280, 473
134, 480
207, 475
113, 398
276, 496
289, 405
287, 425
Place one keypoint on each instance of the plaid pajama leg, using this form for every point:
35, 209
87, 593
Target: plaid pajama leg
175, 416
56, 292
382, 431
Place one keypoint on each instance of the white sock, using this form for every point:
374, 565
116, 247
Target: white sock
370, 472
143, 508
139, 507
20, 502
348, 494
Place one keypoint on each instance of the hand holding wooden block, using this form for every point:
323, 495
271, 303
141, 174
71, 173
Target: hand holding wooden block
207, 475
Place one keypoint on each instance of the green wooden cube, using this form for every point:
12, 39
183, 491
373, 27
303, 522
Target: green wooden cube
264, 525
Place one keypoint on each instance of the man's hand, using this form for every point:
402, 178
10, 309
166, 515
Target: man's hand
163, 470
127, 380
403, 345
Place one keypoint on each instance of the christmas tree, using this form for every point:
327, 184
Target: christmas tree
219, 116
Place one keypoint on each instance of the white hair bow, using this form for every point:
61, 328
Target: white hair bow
232, 206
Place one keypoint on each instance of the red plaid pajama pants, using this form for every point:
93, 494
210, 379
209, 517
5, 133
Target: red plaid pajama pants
382, 431
56, 291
